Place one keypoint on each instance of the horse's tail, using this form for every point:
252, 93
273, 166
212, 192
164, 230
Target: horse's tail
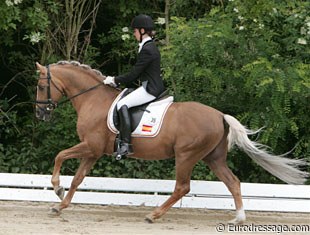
284, 168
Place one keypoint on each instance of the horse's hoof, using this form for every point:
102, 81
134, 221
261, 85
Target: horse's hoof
54, 212
60, 192
240, 218
236, 221
149, 219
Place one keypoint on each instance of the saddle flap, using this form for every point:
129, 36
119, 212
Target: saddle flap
146, 119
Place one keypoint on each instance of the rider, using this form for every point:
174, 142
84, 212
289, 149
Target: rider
147, 70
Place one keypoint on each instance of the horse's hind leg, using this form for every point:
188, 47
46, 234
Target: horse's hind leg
216, 160
184, 167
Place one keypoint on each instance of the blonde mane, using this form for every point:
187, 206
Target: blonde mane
83, 66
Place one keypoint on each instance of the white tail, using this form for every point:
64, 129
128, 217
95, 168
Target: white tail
284, 168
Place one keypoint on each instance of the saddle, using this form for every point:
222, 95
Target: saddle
146, 119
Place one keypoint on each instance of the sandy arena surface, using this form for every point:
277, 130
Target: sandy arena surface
32, 218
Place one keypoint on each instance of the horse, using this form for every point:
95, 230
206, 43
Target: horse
190, 132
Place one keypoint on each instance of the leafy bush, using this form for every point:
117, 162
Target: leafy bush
248, 60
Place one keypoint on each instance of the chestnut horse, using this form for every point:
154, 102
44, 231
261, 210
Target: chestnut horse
190, 132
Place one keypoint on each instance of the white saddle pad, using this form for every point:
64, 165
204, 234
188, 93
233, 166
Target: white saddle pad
151, 121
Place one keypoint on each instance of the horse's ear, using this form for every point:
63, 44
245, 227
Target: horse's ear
40, 68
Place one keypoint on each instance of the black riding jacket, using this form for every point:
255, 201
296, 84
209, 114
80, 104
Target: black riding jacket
147, 68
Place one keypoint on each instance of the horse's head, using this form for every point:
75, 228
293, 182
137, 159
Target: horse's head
48, 93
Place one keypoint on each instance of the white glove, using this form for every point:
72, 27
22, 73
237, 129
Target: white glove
109, 81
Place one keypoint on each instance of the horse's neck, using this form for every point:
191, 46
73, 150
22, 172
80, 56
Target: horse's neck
102, 96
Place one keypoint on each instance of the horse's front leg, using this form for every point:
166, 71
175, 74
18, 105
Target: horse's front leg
80, 150
73, 152
85, 166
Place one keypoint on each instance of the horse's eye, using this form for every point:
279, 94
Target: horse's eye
40, 88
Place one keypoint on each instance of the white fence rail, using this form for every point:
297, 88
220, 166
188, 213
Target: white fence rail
147, 192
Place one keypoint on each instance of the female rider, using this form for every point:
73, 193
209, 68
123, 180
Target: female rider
147, 70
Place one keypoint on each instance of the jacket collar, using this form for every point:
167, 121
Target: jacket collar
145, 40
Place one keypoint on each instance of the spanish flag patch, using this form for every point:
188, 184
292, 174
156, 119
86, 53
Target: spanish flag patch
147, 128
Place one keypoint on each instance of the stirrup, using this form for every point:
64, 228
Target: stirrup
123, 150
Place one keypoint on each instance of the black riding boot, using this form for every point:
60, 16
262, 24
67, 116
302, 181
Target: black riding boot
125, 129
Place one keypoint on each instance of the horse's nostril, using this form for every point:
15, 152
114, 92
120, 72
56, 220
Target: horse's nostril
38, 113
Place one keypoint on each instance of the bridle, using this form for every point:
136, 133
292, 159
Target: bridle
50, 104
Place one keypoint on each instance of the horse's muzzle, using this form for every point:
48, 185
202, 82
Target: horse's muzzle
43, 114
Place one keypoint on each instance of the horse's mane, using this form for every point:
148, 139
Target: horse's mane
83, 66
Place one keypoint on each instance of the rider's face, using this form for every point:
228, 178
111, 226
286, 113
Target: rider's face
137, 34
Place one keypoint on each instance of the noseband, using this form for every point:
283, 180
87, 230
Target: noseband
50, 104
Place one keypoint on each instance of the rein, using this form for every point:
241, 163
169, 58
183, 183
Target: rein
51, 105
80, 93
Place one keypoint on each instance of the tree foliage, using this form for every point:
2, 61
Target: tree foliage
249, 59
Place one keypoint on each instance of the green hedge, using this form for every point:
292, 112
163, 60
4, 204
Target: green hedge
249, 59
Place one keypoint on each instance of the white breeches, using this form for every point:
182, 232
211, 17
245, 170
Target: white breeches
135, 98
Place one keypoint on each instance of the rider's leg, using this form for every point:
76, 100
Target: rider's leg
125, 130
135, 98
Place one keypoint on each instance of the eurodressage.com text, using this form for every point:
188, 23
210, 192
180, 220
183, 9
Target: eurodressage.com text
280, 228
